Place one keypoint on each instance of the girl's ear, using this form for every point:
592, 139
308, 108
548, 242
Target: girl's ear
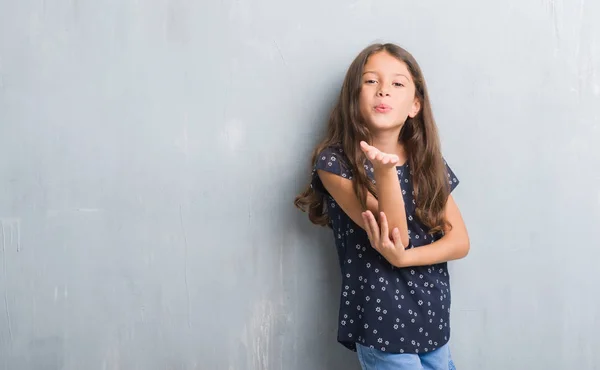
416, 107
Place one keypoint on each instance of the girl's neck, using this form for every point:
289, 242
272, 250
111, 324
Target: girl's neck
388, 143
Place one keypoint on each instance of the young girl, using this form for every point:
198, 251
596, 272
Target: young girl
380, 182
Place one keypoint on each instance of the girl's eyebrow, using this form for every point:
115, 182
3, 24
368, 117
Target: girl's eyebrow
396, 74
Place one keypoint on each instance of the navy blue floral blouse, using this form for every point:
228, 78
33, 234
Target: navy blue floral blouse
396, 310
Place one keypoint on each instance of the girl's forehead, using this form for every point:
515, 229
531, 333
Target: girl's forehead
384, 63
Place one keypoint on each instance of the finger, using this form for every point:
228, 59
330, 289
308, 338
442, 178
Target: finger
367, 226
364, 146
397, 238
373, 155
385, 236
374, 229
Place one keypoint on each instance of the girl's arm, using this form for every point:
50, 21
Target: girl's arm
342, 191
453, 245
389, 191
391, 201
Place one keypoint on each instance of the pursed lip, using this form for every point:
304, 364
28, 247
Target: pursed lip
383, 108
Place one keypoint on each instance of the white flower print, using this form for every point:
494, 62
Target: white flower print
395, 280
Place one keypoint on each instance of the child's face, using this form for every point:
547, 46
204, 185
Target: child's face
387, 94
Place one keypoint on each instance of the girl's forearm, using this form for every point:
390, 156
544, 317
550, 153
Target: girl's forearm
391, 201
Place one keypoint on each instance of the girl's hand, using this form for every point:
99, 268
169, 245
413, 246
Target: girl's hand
378, 158
393, 251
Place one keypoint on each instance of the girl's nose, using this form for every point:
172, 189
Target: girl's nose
382, 92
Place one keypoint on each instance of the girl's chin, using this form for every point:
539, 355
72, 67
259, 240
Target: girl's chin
380, 125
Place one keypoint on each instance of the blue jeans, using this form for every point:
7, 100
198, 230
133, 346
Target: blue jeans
373, 359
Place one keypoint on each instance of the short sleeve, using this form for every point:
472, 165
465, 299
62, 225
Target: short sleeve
333, 160
452, 178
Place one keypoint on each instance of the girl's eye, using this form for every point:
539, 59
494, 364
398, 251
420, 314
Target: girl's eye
370, 81
398, 84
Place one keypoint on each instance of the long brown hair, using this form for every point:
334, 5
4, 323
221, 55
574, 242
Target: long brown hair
419, 135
